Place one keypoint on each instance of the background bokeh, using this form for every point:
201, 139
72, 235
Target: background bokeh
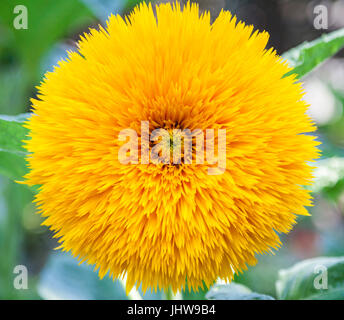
53, 28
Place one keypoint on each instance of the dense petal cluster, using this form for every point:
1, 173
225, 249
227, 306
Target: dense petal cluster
168, 225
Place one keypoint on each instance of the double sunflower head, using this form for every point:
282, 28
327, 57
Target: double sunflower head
170, 149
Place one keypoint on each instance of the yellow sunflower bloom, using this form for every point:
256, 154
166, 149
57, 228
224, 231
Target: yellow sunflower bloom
165, 224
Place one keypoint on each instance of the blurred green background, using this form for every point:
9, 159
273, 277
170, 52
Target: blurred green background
53, 27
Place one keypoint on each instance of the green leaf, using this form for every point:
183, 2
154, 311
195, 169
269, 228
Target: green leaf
12, 165
63, 278
309, 279
306, 56
234, 291
12, 134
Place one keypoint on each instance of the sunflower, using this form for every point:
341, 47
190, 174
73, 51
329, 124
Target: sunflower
164, 224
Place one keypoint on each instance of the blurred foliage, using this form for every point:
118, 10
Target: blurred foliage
305, 57
299, 282
103, 8
12, 133
12, 163
234, 291
329, 177
11, 237
314, 279
62, 278
49, 21
25, 55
